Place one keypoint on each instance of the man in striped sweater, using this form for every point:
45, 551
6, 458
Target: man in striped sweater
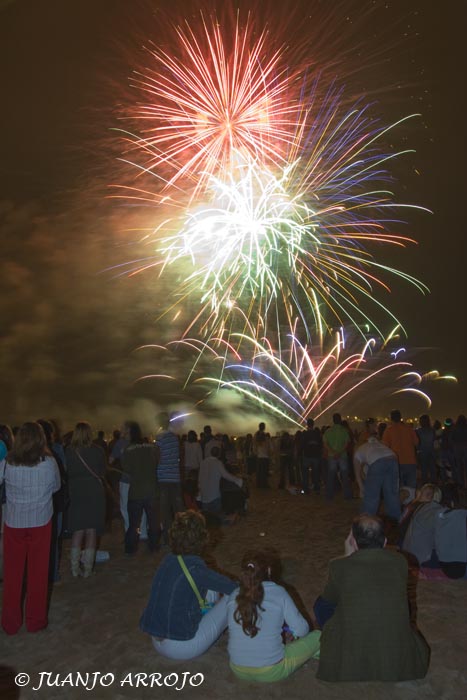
168, 475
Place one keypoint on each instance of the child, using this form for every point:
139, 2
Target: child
256, 612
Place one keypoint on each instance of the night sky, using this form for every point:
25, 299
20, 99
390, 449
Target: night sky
69, 326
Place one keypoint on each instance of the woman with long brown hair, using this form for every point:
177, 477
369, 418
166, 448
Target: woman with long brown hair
259, 612
86, 465
31, 477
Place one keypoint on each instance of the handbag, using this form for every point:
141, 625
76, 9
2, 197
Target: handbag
204, 606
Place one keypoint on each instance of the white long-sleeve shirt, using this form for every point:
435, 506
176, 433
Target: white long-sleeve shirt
29, 493
211, 472
193, 455
266, 648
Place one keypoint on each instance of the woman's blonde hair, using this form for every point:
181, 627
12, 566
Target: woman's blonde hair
82, 435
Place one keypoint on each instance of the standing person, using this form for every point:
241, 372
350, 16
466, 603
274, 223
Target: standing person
262, 450
139, 462
371, 429
100, 440
447, 458
249, 455
209, 442
286, 460
210, 474
31, 477
459, 445
426, 449
193, 455
86, 467
403, 440
311, 456
115, 461
6, 444
336, 440
168, 475
382, 475
257, 612
60, 505
297, 454
369, 636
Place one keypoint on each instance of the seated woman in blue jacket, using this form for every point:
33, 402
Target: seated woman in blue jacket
181, 623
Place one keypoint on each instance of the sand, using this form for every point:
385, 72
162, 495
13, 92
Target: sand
93, 623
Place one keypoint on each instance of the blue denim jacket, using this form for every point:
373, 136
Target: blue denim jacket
173, 610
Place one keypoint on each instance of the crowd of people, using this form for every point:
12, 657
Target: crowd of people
166, 489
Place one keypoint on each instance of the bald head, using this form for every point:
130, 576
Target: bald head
368, 532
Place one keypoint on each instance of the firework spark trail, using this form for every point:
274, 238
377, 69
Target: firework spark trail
314, 382
209, 100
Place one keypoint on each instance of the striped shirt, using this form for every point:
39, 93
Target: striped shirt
168, 470
29, 493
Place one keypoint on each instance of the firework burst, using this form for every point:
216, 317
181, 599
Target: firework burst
302, 381
218, 93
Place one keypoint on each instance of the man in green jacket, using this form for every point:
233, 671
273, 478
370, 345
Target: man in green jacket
369, 637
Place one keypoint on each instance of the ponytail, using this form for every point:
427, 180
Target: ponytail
255, 570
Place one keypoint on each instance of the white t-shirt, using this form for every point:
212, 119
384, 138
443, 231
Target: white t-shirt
266, 648
371, 451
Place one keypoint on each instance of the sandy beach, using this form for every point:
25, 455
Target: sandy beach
93, 623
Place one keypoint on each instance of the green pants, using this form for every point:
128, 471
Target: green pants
296, 654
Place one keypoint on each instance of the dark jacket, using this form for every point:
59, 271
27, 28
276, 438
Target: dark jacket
369, 637
173, 610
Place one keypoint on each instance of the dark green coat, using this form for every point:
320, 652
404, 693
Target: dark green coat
370, 637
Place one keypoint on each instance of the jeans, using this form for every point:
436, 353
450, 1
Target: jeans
214, 506
460, 464
124, 487
427, 466
170, 502
286, 471
262, 468
210, 628
315, 464
135, 512
340, 463
408, 475
382, 475
55, 547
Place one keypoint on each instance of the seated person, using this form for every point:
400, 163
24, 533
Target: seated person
257, 611
410, 500
443, 528
369, 636
210, 474
418, 526
174, 616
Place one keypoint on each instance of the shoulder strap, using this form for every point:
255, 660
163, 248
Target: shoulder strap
91, 471
190, 580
